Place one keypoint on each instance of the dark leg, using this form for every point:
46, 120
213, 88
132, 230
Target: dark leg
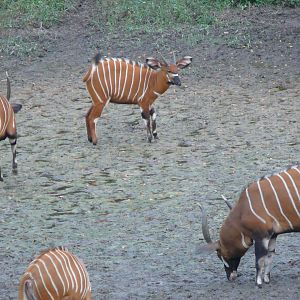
87, 125
1, 177
153, 119
261, 251
147, 120
13, 144
269, 258
91, 121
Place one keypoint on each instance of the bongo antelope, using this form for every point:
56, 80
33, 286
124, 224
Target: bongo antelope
8, 124
55, 274
266, 208
122, 81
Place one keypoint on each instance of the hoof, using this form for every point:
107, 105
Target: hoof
15, 171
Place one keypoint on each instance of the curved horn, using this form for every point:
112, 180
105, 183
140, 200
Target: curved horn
8, 87
205, 229
162, 57
227, 202
174, 57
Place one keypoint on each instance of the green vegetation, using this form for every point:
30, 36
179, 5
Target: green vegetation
157, 15
32, 12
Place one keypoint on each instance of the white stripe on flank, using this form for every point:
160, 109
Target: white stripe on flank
5, 121
255, 214
125, 81
63, 268
264, 204
115, 72
296, 168
278, 202
72, 271
146, 84
290, 196
104, 75
294, 184
101, 83
138, 88
84, 281
156, 93
109, 74
243, 241
92, 78
79, 272
42, 278
61, 253
132, 80
120, 75
49, 275
55, 267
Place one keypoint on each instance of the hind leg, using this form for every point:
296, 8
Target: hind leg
269, 258
91, 120
87, 125
13, 144
1, 177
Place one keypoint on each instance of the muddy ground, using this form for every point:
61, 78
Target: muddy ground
129, 208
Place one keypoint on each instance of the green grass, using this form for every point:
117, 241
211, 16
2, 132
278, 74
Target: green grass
156, 15
22, 13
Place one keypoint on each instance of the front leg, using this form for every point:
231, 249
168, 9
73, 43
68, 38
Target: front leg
147, 120
153, 119
13, 144
261, 251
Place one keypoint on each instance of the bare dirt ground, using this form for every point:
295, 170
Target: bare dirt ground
129, 208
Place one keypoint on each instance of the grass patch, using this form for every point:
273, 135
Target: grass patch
155, 15
22, 13
17, 46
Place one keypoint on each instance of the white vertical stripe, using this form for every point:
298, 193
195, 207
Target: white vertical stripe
104, 75
294, 184
100, 81
109, 74
92, 83
290, 196
61, 253
66, 254
55, 267
115, 73
132, 79
264, 204
138, 88
125, 81
144, 86
49, 275
79, 272
255, 214
42, 278
120, 75
278, 202
62, 266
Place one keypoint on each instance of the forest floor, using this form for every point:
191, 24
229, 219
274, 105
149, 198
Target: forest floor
126, 207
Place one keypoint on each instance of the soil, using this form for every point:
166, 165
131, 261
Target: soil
128, 208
